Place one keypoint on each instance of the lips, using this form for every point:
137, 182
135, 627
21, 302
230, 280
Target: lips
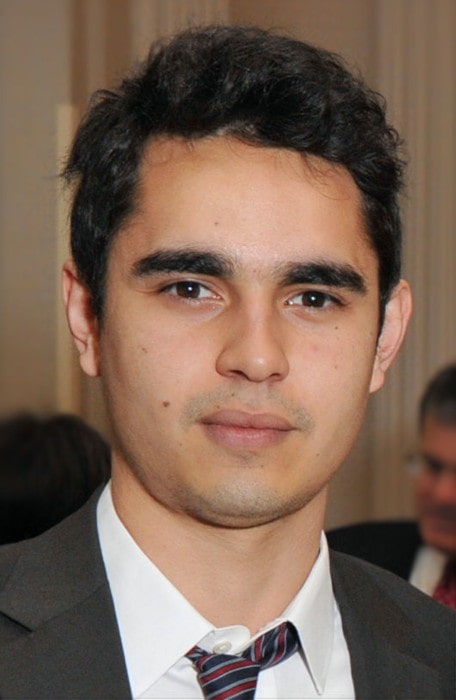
444, 514
259, 421
239, 429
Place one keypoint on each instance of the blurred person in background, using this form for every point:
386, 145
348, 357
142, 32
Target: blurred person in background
421, 551
49, 466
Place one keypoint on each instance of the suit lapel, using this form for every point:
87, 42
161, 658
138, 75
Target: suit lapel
72, 656
62, 630
378, 635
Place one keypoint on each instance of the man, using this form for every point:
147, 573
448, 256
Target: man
424, 552
235, 282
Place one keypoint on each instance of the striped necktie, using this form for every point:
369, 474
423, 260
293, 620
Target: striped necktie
225, 677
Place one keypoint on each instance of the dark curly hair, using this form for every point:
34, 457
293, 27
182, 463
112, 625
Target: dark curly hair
439, 398
49, 466
244, 82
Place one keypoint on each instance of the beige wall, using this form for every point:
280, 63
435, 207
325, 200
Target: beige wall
34, 79
53, 53
344, 26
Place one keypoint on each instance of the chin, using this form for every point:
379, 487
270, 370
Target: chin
238, 508
438, 540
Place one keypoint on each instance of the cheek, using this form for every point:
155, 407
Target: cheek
153, 365
423, 494
333, 379
341, 363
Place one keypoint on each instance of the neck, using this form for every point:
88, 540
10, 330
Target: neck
231, 576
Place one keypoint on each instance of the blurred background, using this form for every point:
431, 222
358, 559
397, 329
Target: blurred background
54, 53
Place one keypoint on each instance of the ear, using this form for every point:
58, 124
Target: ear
397, 315
83, 324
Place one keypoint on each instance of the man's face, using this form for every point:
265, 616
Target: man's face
435, 488
238, 344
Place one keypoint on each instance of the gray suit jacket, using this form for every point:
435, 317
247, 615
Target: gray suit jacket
59, 637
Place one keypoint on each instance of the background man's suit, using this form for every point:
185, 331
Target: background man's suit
390, 544
59, 636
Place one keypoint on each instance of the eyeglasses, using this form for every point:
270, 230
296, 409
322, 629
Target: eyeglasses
425, 464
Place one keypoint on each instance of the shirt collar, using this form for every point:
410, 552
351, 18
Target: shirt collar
158, 625
312, 612
427, 568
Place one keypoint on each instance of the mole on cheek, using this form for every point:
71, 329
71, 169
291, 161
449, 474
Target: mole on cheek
165, 404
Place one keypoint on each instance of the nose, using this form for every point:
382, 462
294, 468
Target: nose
253, 348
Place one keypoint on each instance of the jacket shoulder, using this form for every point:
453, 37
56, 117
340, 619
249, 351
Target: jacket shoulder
384, 617
58, 630
40, 576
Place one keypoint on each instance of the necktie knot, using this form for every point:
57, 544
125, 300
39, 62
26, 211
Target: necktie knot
224, 676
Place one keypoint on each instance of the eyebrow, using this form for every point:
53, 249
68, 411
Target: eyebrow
328, 274
195, 261
325, 273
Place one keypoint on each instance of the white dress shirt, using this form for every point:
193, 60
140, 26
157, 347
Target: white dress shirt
158, 626
427, 569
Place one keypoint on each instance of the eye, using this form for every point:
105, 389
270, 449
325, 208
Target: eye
188, 290
432, 466
313, 299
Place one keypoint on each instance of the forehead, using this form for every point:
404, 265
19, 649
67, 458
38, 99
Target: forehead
440, 437
260, 204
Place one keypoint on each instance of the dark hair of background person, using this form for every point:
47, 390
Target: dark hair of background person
243, 82
439, 398
48, 469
